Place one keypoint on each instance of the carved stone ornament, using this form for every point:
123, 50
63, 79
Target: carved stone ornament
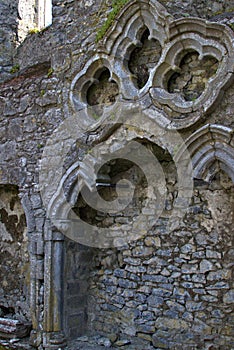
210, 145
180, 66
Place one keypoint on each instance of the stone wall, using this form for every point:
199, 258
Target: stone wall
8, 35
19, 19
14, 265
171, 288
198, 8
79, 265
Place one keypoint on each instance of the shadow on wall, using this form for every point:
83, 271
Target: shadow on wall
14, 255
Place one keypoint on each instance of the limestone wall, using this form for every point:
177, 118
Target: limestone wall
8, 35
14, 265
171, 288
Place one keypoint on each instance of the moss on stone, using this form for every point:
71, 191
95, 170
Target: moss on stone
33, 31
15, 69
50, 72
116, 7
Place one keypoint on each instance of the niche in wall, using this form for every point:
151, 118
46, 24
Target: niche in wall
14, 260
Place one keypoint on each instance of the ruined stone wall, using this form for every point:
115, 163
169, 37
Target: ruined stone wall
169, 288
172, 288
198, 8
8, 35
19, 18
14, 266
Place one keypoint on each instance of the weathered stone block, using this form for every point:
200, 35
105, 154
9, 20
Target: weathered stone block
228, 298
167, 323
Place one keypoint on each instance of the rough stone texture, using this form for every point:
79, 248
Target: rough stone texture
143, 58
171, 289
198, 8
8, 35
184, 292
193, 77
79, 267
14, 264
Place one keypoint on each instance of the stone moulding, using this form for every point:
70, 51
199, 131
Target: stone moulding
211, 143
133, 16
75, 178
115, 49
177, 38
208, 40
85, 78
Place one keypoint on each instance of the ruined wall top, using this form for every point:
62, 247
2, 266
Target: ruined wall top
20, 18
64, 70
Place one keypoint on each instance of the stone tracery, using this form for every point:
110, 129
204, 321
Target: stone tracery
211, 143
155, 77
210, 147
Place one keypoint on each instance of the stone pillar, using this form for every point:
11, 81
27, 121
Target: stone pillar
53, 325
36, 251
36, 292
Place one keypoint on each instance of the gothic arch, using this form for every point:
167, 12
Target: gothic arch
175, 40
209, 144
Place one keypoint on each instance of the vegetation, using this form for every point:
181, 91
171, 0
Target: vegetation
50, 72
15, 69
33, 31
116, 7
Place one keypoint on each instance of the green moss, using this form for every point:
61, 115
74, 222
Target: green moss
217, 13
33, 31
231, 25
50, 72
116, 7
185, 14
15, 69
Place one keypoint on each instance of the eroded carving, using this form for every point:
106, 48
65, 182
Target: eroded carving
213, 44
181, 65
144, 58
95, 86
14, 255
103, 92
211, 150
193, 77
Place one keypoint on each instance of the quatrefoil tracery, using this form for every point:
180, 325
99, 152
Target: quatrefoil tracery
146, 53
